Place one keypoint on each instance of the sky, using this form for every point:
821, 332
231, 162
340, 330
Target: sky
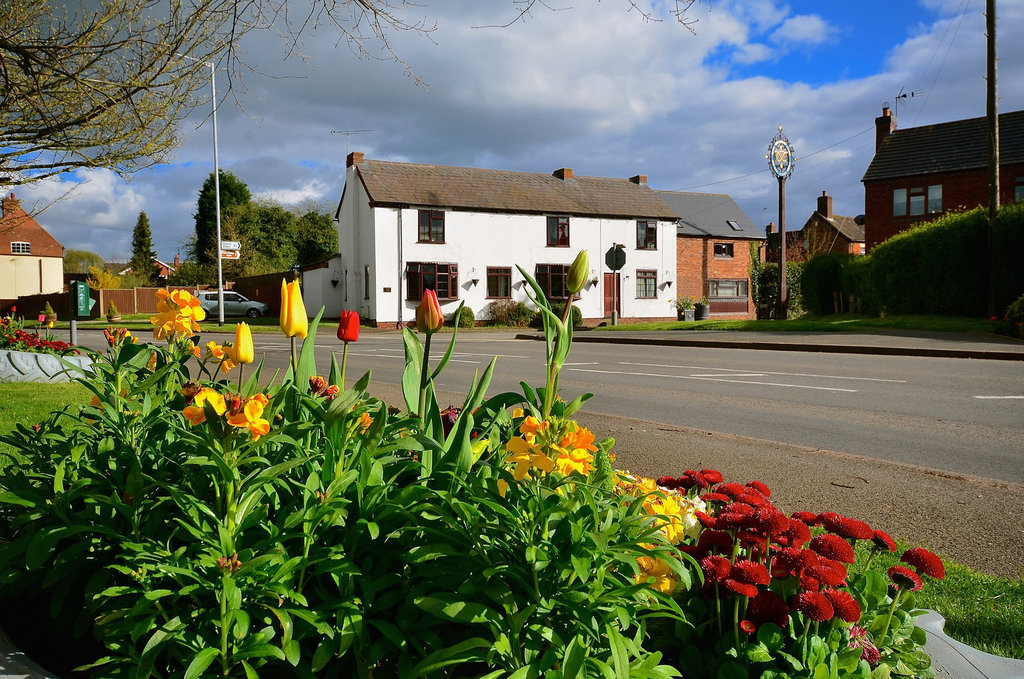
584, 84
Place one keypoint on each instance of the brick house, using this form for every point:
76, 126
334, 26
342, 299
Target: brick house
825, 231
404, 228
31, 260
713, 251
919, 173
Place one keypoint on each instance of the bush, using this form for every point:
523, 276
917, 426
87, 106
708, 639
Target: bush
48, 309
576, 316
1012, 321
822, 280
508, 313
768, 288
466, 320
112, 309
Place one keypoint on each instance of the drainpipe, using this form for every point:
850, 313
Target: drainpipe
399, 267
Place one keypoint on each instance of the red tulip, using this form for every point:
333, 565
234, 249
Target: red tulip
42, 317
348, 328
429, 318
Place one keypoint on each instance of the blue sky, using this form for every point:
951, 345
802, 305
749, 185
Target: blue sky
590, 86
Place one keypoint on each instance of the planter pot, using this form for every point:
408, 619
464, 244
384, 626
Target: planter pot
24, 366
113, 319
51, 318
702, 312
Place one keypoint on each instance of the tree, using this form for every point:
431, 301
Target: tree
267, 233
108, 84
143, 253
233, 192
80, 261
316, 238
101, 278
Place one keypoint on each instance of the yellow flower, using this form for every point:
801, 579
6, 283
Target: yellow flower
294, 321
220, 353
364, 422
250, 416
178, 313
196, 413
526, 457
665, 578
241, 350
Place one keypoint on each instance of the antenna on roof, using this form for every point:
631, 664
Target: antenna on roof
903, 95
348, 136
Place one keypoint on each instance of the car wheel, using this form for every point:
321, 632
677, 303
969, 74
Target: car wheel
253, 313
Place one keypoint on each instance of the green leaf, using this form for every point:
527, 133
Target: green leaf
307, 355
572, 660
619, 658
457, 611
462, 652
770, 635
201, 662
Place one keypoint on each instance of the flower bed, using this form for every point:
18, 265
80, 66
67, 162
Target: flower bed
192, 521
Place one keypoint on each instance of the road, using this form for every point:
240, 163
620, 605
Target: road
954, 415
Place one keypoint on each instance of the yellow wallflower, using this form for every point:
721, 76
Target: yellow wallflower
196, 413
364, 422
665, 578
222, 354
248, 413
526, 457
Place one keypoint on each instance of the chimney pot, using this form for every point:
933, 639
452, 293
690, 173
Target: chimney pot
354, 158
770, 228
177, 260
640, 179
563, 173
825, 204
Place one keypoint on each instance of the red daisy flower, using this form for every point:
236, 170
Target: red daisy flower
752, 498
815, 606
750, 538
768, 607
832, 546
845, 606
787, 562
711, 540
770, 520
715, 497
691, 479
810, 518
731, 489
884, 541
828, 572
716, 568
846, 527
711, 475
750, 572
808, 583
905, 578
707, 520
925, 562
797, 533
760, 488
747, 626
669, 482
741, 588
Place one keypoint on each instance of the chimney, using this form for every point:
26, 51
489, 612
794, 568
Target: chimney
177, 260
770, 229
884, 126
825, 204
354, 158
640, 179
564, 173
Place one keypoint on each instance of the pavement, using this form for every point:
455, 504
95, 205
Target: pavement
951, 659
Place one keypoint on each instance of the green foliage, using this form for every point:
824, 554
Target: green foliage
267, 233
1012, 321
822, 281
466, 319
191, 273
112, 309
143, 253
768, 288
576, 316
509, 313
316, 238
48, 309
233, 192
79, 261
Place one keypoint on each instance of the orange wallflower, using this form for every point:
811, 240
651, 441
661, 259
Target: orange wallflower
248, 413
196, 413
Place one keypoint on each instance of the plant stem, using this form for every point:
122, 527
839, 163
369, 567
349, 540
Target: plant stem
241, 368
888, 619
344, 363
423, 377
295, 362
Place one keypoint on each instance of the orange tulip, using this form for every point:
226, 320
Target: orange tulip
429, 318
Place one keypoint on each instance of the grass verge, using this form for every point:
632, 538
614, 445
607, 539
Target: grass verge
983, 611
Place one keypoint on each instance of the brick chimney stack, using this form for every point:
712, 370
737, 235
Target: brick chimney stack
353, 158
884, 126
770, 229
640, 179
177, 260
825, 204
563, 173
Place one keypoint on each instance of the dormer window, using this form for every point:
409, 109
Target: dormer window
21, 248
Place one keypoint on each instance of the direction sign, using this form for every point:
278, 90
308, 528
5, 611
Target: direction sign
230, 254
230, 245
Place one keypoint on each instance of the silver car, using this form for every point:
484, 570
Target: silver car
235, 304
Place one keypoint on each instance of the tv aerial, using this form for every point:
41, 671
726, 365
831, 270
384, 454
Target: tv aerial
904, 96
348, 136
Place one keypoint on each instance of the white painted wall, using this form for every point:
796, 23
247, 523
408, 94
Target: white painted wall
318, 291
384, 239
26, 275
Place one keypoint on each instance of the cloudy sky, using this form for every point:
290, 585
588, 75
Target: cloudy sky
585, 84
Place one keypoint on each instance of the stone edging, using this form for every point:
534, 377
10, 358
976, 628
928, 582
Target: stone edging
24, 366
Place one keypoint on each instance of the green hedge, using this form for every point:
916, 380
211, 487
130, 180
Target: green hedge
767, 287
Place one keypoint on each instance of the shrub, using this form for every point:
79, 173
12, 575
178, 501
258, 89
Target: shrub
466, 320
822, 280
576, 316
112, 309
508, 312
768, 288
1012, 321
47, 309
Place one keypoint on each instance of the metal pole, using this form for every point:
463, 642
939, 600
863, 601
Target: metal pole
74, 331
216, 191
992, 114
782, 303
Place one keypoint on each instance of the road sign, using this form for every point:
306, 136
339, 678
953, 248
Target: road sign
230, 245
230, 254
615, 258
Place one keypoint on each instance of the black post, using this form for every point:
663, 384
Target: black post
783, 301
992, 116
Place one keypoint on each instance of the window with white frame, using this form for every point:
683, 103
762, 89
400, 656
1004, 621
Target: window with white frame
646, 284
917, 201
21, 248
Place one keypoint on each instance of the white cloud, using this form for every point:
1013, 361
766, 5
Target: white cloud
803, 29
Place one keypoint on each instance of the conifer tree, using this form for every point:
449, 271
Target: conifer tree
143, 253
233, 192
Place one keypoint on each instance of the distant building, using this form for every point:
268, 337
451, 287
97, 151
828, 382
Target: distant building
31, 260
713, 253
163, 269
825, 231
920, 173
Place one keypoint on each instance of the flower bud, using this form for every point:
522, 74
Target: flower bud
242, 348
348, 327
429, 318
578, 272
294, 322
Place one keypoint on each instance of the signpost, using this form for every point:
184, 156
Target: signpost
615, 258
230, 254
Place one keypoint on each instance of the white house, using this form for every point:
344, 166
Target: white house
31, 260
404, 228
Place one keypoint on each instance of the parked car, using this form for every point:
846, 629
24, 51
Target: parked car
235, 304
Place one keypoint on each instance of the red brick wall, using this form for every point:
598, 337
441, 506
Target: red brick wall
16, 225
696, 264
959, 190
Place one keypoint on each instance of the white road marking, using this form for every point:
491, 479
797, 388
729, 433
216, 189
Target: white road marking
766, 372
1000, 397
584, 363
714, 379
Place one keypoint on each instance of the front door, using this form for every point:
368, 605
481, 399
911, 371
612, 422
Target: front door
611, 284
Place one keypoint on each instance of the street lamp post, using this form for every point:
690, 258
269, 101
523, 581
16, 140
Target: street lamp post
780, 162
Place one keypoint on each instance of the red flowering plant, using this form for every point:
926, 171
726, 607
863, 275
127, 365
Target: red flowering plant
782, 595
14, 337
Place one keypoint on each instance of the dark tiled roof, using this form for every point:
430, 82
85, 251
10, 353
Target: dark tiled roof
946, 147
464, 188
709, 214
848, 227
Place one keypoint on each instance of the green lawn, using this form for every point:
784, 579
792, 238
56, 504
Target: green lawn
29, 403
834, 323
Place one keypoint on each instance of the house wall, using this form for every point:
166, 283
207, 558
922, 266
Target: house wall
697, 265
22, 275
318, 291
966, 189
